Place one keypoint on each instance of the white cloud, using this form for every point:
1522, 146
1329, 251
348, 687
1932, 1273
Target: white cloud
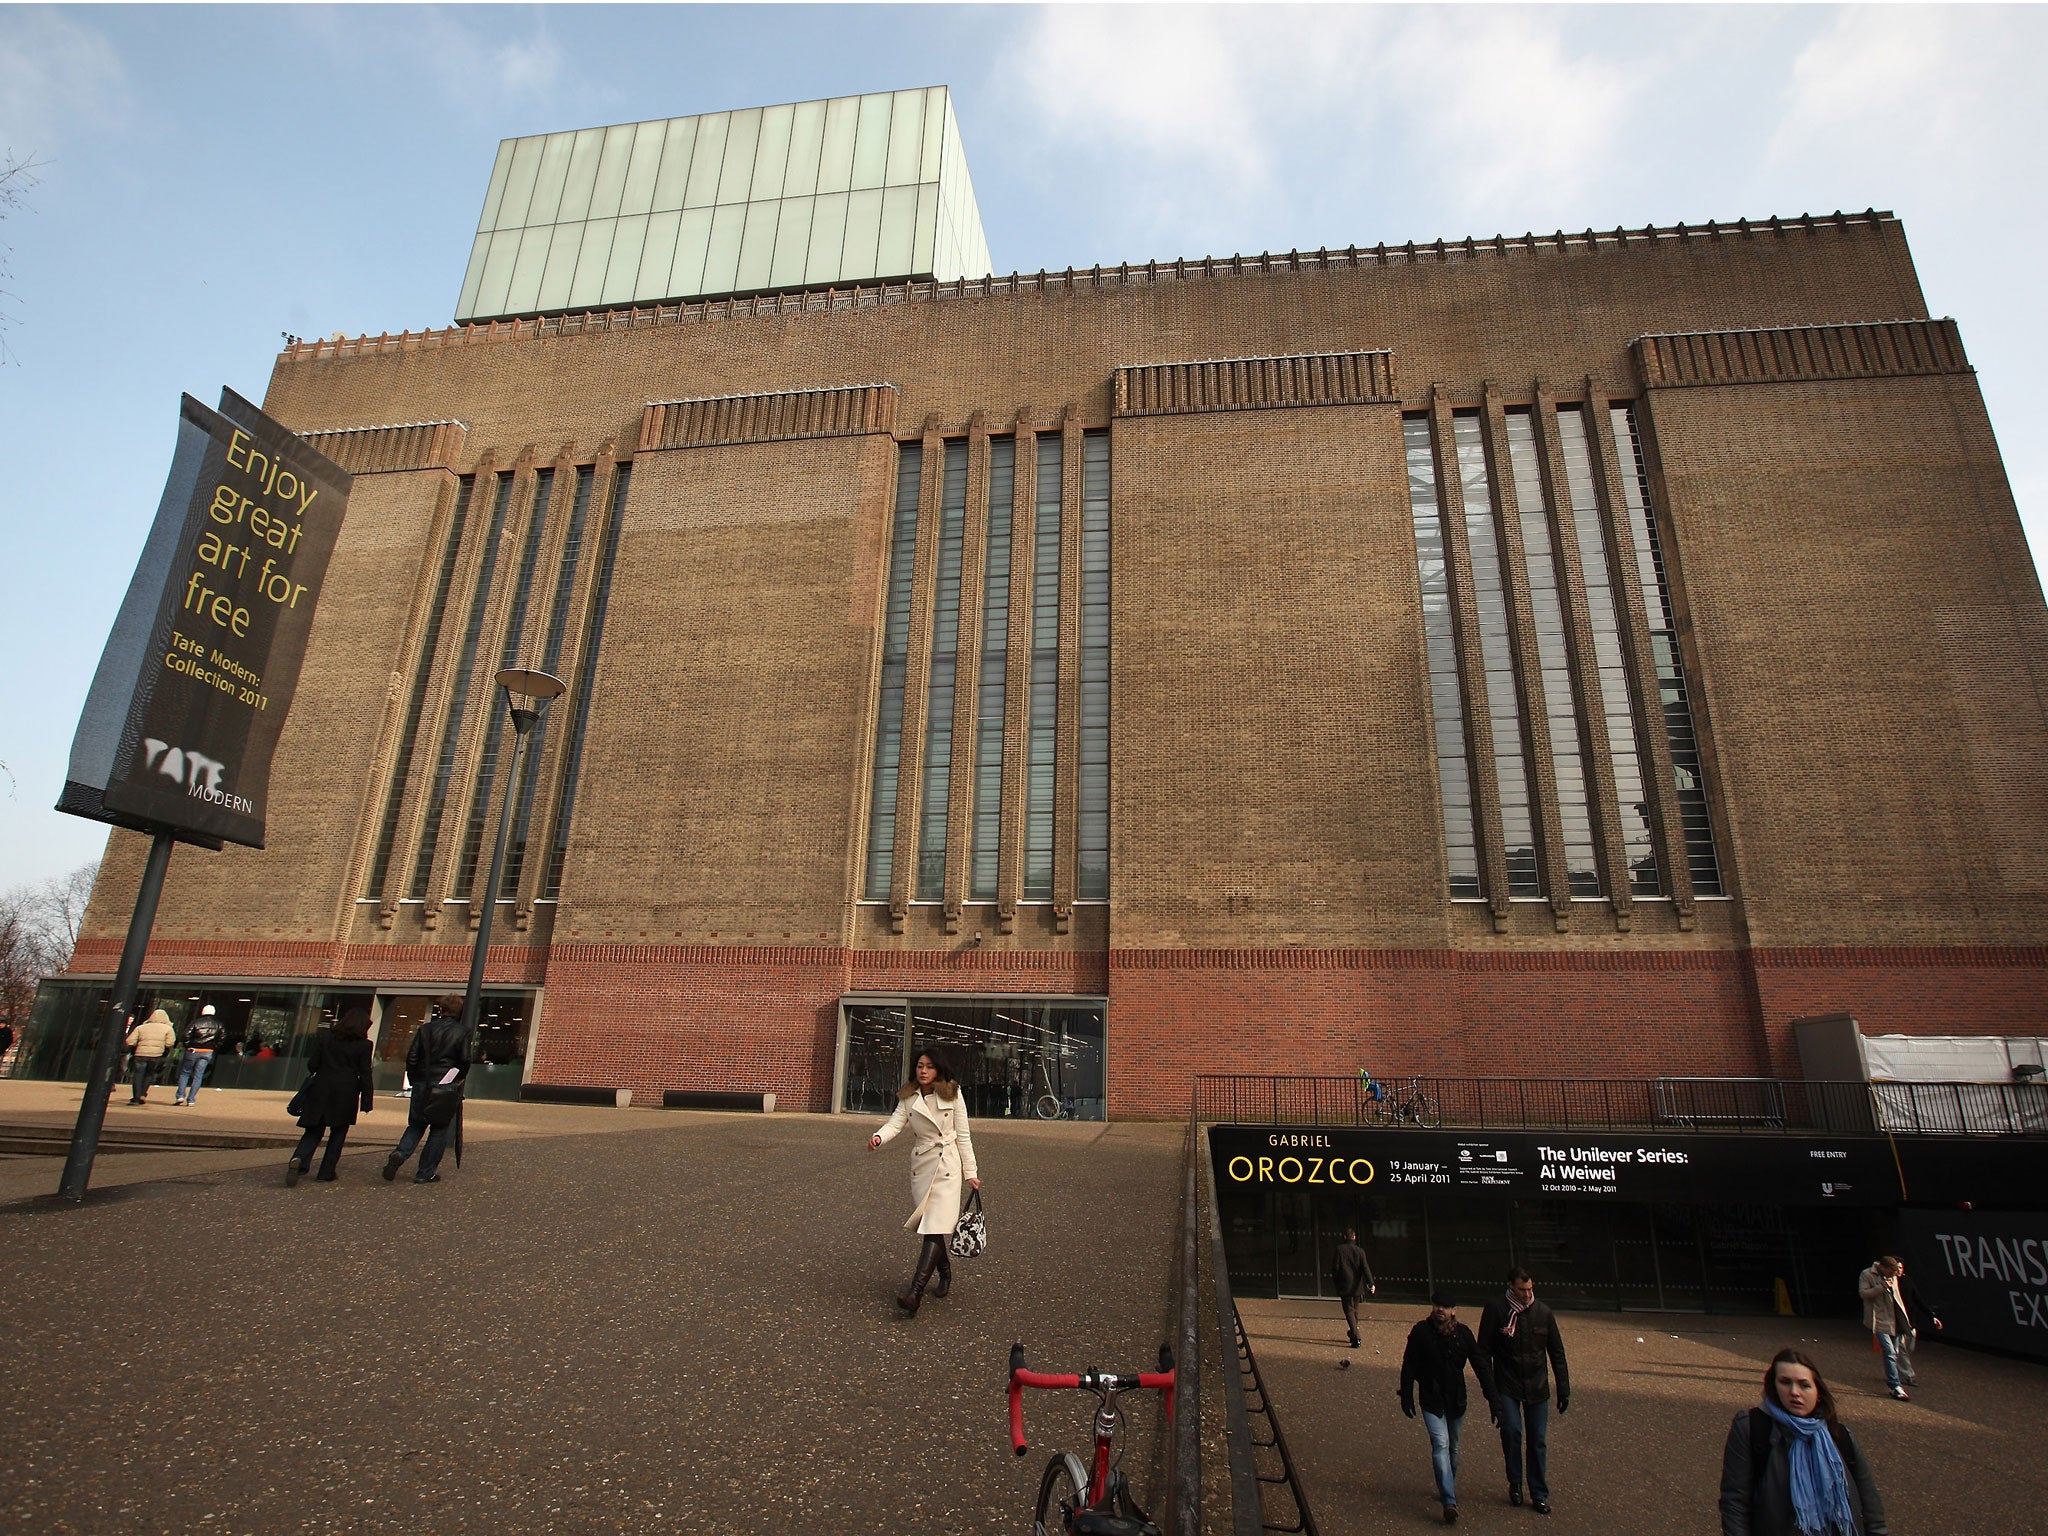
485, 62
53, 70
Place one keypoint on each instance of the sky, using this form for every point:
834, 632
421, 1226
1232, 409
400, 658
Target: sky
210, 178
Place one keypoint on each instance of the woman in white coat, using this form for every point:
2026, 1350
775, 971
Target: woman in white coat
941, 1158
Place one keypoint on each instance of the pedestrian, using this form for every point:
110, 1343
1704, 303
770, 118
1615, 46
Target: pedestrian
148, 1040
339, 1080
941, 1157
1791, 1468
1519, 1335
202, 1039
1351, 1275
438, 1061
1439, 1349
6, 1044
1892, 1310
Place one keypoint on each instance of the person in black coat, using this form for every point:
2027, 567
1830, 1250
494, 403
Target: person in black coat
1519, 1336
439, 1046
1439, 1349
1795, 1425
1351, 1277
340, 1080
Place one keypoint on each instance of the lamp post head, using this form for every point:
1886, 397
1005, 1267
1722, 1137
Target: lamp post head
526, 692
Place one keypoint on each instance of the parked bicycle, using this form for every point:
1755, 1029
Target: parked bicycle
1051, 1105
1078, 1500
1380, 1105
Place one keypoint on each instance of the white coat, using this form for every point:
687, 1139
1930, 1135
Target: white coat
941, 1154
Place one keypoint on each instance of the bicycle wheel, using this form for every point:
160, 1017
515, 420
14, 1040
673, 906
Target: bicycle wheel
1047, 1106
1380, 1111
1427, 1113
1061, 1493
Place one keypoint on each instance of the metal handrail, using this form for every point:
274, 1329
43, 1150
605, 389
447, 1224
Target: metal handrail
1745, 1105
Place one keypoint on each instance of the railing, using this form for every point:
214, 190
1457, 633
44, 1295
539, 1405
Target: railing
1738, 1104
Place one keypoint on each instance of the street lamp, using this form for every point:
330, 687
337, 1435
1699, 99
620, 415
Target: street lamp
535, 688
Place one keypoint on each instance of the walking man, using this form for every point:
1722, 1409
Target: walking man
202, 1039
1518, 1335
149, 1040
1351, 1277
437, 1066
1892, 1309
1439, 1349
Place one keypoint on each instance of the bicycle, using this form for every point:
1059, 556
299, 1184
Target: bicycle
1075, 1500
1049, 1105
1378, 1106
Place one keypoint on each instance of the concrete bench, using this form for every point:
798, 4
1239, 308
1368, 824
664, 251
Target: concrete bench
717, 1098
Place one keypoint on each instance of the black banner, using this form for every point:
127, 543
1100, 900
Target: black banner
192, 690
1636, 1167
1985, 1274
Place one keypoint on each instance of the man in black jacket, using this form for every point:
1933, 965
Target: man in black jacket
1351, 1277
437, 1063
1439, 1349
1518, 1334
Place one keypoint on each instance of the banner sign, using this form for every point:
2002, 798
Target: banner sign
1985, 1274
1636, 1167
194, 685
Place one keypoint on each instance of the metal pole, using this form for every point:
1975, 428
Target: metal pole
106, 1058
472, 1000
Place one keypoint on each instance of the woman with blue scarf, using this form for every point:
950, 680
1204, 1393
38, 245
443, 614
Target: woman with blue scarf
1792, 1469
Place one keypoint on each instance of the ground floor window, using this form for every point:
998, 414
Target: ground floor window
267, 1031
1587, 1255
1018, 1057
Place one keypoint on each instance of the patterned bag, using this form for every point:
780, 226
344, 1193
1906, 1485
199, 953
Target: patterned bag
970, 1234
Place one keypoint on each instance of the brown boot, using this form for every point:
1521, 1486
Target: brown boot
945, 1272
913, 1298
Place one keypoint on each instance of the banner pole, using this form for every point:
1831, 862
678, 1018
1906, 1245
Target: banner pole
106, 1058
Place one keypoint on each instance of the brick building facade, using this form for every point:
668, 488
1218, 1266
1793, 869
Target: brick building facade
1565, 656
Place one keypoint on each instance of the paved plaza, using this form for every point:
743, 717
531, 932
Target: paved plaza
637, 1320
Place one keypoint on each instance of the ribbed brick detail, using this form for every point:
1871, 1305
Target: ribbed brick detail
769, 418
1802, 354
1255, 383
381, 450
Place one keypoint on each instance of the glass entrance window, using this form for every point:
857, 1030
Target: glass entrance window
497, 1054
1018, 1057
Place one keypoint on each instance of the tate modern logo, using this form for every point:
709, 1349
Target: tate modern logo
199, 773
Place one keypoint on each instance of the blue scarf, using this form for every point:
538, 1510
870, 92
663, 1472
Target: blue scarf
1820, 1483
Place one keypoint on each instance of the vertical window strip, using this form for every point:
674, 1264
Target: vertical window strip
1091, 847
557, 633
458, 700
991, 702
1497, 659
1043, 714
944, 679
1677, 706
487, 766
895, 666
401, 769
1453, 770
586, 676
1631, 811
1553, 658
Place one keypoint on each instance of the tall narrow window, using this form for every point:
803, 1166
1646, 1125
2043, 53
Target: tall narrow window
586, 677
1091, 844
458, 700
1042, 737
551, 658
1631, 811
508, 654
1453, 771
991, 704
1677, 707
944, 679
895, 664
1497, 659
401, 768
1553, 658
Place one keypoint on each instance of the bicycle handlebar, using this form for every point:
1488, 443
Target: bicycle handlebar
1106, 1383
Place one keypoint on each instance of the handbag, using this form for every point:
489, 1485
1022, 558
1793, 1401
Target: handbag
303, 1099
970, 1233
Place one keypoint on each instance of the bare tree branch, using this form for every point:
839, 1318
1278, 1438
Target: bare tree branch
17, 175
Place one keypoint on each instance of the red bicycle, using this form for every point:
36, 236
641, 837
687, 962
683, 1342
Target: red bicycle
1074, 1499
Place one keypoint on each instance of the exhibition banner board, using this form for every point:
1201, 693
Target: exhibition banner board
1685, 1168
1985, 1274
198, 674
